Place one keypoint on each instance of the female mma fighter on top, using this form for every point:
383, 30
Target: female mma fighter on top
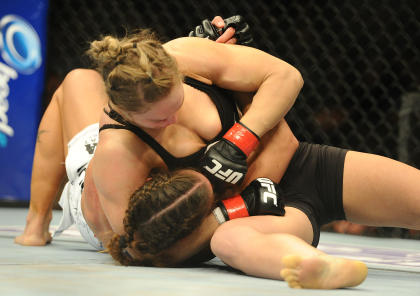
138, 70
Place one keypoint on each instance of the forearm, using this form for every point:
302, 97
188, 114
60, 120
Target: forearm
44, 192
47, 175
273, 155
44, 188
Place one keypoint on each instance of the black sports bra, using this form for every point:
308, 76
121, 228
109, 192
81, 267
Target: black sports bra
226, 108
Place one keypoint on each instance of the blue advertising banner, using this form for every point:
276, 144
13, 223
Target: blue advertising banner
22, 58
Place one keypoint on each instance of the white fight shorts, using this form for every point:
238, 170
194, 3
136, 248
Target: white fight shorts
80, 152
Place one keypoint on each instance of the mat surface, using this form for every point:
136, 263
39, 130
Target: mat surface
69, 266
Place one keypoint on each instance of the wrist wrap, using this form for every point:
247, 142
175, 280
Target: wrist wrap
234, 207
242, 137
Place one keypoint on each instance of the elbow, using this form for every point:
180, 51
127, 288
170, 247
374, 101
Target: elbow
300, 79
293, 81
295, 77
288, 76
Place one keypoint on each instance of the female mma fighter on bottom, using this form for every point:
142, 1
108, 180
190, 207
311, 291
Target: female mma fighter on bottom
168, 223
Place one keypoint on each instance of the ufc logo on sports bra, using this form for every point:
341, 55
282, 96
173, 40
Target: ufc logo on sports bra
227, 176
270, 190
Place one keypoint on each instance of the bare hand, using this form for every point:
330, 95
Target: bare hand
35, 234
227, 36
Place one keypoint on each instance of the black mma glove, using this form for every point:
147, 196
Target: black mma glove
242, 30
224, 162
205, 30
261, 197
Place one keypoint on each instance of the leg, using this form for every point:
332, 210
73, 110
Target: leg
379, 191
82, 101
60, 122
349, 227
247, 244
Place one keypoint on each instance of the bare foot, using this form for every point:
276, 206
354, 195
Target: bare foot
322, 272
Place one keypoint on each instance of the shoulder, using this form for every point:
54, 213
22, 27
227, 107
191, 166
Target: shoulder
179, 43
197, 57
191, 48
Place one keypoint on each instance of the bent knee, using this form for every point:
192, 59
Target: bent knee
80, 76
83, 90
81, 82
72, 81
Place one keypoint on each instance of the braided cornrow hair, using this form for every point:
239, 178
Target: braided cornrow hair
161, 212
136, 69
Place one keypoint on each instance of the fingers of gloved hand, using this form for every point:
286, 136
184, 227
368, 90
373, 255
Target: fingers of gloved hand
228, 36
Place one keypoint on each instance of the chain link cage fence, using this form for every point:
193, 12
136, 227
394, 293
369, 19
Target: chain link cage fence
359, 58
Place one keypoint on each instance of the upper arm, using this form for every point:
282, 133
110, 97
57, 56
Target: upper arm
117, 173
239, 68
243, 69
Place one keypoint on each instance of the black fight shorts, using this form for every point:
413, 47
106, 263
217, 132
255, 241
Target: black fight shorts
313, 183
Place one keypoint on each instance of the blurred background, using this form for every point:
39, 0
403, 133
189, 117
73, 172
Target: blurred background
359, 59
